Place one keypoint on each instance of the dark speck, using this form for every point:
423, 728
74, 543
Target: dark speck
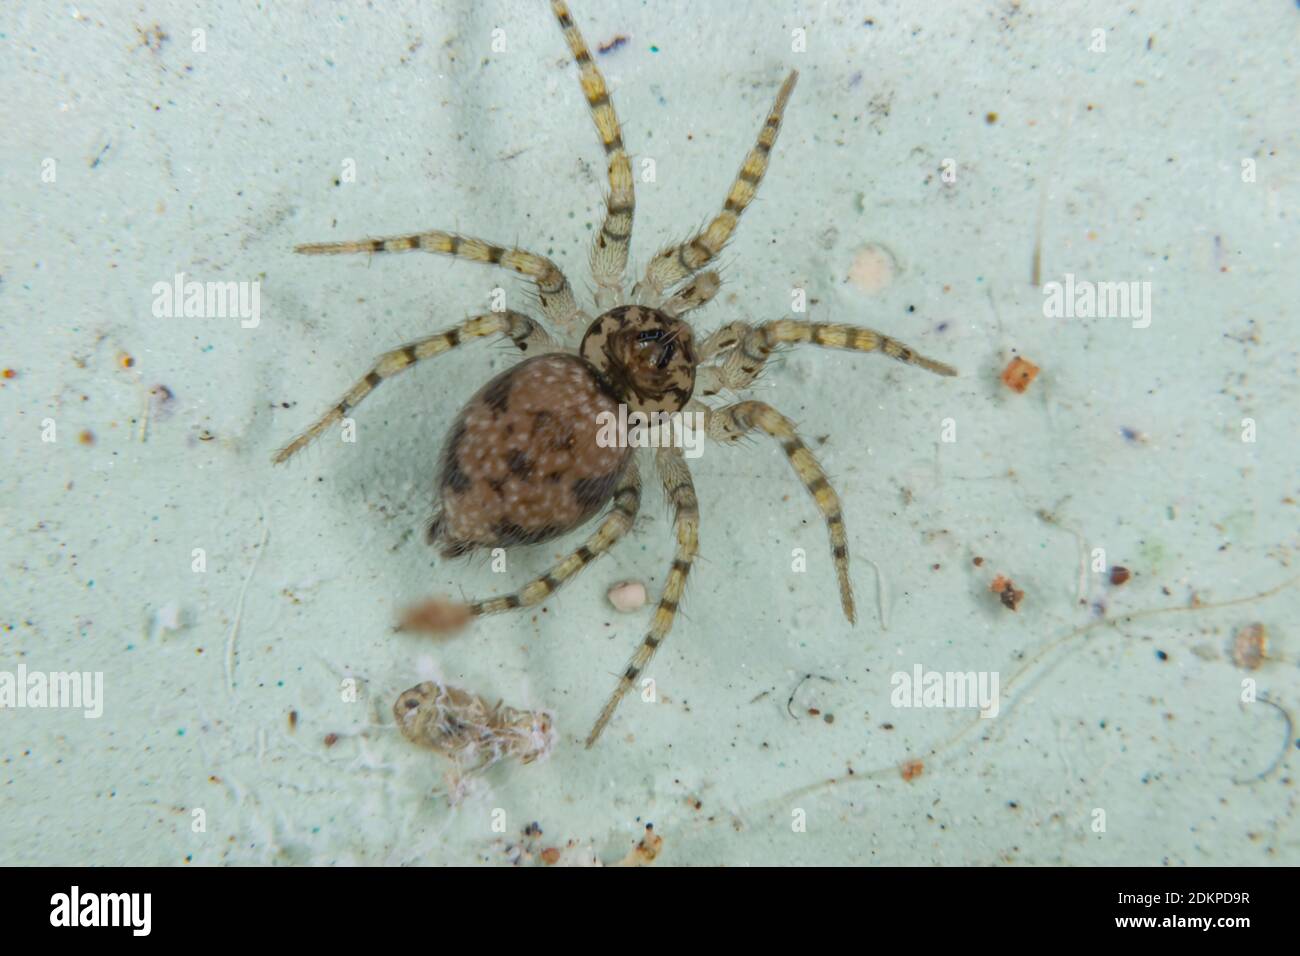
612, 45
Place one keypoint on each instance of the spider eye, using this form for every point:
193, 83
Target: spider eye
650, 335
666, 357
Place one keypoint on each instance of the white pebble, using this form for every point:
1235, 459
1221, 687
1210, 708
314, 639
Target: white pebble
627, 595
873, 268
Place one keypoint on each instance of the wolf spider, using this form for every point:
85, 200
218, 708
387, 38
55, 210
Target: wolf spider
522, 464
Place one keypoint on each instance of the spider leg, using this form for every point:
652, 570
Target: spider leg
723, 340
732, 422
439, 616
748, 347
694, 295
526, 334
679, 262
553, 291
709, 378
610, 248
676, 478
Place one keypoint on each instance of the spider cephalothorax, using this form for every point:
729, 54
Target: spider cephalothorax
524, 461
646, 357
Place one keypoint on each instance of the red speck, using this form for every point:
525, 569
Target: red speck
1019, 374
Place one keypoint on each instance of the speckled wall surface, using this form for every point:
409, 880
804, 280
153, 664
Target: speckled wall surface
933, 158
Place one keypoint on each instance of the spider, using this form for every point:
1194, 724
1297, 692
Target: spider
522, 463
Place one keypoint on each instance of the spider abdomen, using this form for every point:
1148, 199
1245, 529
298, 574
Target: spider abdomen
522, 463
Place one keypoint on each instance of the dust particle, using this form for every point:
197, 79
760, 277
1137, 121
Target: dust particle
1250, 646
1006, 591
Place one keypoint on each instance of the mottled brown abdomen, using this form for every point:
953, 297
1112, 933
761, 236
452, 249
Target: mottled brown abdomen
521, 463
